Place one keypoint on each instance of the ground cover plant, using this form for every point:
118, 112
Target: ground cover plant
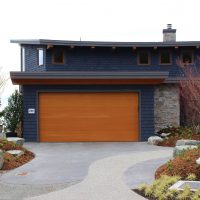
10, 161
178, 133
182, 165
158, 190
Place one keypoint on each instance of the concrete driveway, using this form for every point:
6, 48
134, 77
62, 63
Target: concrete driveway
58, 165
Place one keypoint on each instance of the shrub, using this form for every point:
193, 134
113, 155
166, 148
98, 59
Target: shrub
13, 113
178, 133
191, 177
185, 194
159, 190
183, 165
176, 130
196, 195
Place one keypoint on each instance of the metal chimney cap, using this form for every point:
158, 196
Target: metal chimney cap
169, 26
169, 29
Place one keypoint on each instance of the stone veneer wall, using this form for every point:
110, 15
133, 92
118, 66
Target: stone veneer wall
166, 106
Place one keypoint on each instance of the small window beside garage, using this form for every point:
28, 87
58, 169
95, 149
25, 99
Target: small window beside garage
58, 56
187, 57
40, 57
165, 58
143, 58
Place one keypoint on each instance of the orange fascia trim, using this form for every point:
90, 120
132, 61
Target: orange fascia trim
86, 81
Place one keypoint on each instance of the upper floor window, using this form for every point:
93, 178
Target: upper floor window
58, 56
143, 58
23, 59
165, 58
40, 57
187, 57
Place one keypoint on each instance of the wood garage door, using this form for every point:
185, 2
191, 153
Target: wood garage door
109, 116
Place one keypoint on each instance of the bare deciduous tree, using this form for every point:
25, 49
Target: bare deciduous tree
190, 95
3, 79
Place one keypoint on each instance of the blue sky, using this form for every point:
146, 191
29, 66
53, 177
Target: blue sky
105, 20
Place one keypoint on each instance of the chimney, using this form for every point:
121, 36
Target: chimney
169, 34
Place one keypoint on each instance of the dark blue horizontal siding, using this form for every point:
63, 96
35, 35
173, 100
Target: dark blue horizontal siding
102, 59
31, 58
146, 105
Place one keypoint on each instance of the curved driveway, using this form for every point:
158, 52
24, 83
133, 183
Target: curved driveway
68, 163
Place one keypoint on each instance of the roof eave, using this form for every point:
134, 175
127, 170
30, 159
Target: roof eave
100, 77
106, 44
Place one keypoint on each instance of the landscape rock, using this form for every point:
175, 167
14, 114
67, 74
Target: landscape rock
154, 140
17, 140
2, 136
16, 153
179, 149
164, 135
1, 158
198, 161
187, 142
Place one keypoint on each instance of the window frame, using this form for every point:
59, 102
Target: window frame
138, 57
170, 56
38, 57
192, 54
23, 60
63, 57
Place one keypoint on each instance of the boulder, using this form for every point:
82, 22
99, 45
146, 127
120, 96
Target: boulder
179, 149
198, 161
1, 158
154, 140
16, 153
17, 140
2, 136
187, 142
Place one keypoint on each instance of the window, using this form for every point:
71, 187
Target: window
23, 59
187, 57
40, 57
143, 58
58, 56
165, 58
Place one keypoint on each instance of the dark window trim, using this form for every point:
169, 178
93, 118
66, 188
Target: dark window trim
170, 54
63, 57
38, 49
138, 58
190, 51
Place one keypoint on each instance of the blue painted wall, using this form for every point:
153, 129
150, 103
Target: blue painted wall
146, 105
103, 59
31, 58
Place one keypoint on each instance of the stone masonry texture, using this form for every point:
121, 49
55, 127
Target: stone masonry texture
166, 106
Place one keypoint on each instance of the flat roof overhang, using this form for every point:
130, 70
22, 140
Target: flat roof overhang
77, 78
106, 43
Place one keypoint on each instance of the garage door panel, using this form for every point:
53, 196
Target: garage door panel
83, 137
88, 117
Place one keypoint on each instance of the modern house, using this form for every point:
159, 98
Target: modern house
101, 91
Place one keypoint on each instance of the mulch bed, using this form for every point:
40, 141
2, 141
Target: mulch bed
171, 141
182, 165
12, 162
